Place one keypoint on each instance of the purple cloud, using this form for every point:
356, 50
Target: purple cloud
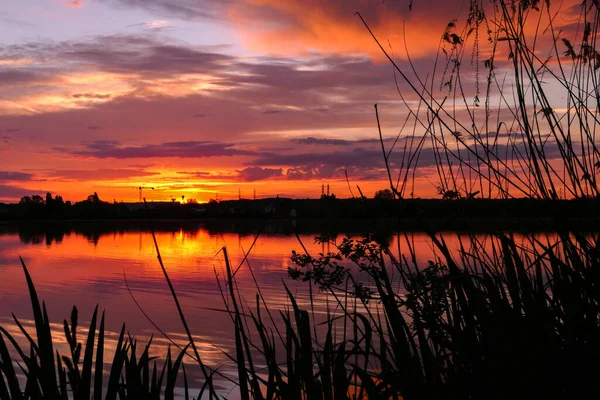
251, 174
190, 149
91, 96
99, 174
7, 176
9, 193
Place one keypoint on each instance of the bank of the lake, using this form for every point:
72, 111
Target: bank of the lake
328, 215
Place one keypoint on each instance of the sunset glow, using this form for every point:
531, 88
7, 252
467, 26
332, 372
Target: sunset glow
207, 99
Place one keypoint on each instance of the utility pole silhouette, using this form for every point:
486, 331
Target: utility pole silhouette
254, 194
141, 188
239, 194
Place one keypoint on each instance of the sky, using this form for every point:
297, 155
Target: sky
207, 98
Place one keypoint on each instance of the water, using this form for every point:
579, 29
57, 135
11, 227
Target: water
91, 264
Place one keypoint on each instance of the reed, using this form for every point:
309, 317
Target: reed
529, 130
44, 373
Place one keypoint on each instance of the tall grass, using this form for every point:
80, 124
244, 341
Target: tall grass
47, 374
501, 321
510, 106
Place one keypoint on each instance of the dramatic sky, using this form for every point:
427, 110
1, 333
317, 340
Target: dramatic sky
203, 97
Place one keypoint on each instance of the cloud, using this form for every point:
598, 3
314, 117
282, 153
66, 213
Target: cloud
252, 174
140, 55
267, 112
94, 128
98, 174
311, 140
196, 174
183, 9
11, 193
323, 141
91, 96
190, 149
11, 77
155, 24
136, 86
11, 176
284, 26
75, 3
292, 27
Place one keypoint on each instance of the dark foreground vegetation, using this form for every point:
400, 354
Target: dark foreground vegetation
497, 318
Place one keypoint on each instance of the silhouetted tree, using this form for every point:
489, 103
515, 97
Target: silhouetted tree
385, 194
37, 199
93, 198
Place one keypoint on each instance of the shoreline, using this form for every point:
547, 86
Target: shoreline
284, 225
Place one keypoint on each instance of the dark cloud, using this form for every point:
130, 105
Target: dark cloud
7, 176
204, 175
93, 127
267, 112
191, 149
199, 115
298, 174
11, 193
11, 130
252, 174
343, 142
98, 174
359, 162
91, 96
20, 77
141, 55
194, 173
353, 157
367, 163
324, 141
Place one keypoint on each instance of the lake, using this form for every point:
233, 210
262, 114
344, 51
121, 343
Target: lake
91, 263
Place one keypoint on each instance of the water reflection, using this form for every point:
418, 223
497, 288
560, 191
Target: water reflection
93, 231
86, 264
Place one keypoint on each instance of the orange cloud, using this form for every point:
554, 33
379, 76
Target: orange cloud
291, 27
75, 3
